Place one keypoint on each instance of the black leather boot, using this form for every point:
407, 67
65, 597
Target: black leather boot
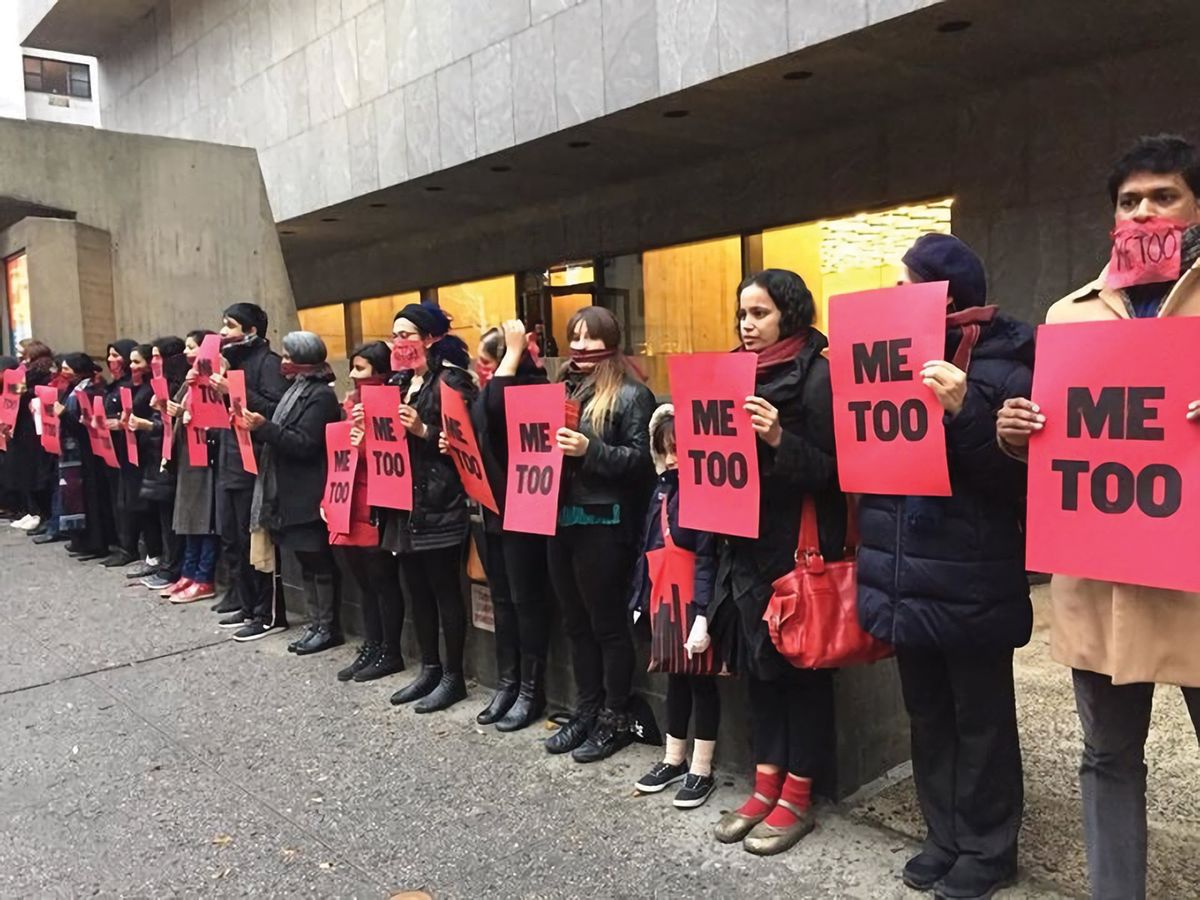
304, 635
367, 654
610, 734
423, 684
574, 733
506, 695
531, 701
386, 662
320, 638
451, 689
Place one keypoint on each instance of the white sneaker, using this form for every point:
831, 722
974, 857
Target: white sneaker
26, 522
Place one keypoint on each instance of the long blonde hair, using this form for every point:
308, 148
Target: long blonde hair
609, 375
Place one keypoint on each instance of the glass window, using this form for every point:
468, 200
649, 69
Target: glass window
81, 81
20, 315
377, 314
52, 76
330, 323
476, 306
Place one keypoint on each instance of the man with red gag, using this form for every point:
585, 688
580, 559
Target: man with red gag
1122, 639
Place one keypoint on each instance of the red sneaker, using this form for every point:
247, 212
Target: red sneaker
172, 590
194, 592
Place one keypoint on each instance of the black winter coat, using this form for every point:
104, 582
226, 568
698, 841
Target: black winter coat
702, 543
617, 468
439, 517
298, 449
949, 572
804, 464
265, 384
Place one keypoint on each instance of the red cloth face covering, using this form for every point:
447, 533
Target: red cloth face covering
781, 352
116, 367
406, 354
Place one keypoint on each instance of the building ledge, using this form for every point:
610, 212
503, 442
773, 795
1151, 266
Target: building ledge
88, 27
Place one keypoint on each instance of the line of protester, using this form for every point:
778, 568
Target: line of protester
134, 483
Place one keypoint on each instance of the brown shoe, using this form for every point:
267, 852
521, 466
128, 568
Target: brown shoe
767, 840
734, 826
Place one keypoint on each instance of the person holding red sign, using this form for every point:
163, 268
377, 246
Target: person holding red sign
139, 422
791, 412
244, 346
515, 562
372, 569
32, 470
606, 479
86, 514
194, 517
673, 582
1122, 639
430, 539
125, 482
288, 492
943, 580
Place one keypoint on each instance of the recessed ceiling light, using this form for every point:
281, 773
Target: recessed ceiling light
954, 26
331, 219
676, 114
287, 232
378, 205
578, 145
797, 75
433, 188
501, 168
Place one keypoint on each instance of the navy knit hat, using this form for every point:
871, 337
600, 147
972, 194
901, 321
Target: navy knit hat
248, 315
943, 257
431, 321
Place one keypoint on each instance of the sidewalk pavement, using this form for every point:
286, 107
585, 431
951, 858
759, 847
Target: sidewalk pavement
144, 754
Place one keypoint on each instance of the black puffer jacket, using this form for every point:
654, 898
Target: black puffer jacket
264, 386
949, 572
802, 465
439, 517
617, 468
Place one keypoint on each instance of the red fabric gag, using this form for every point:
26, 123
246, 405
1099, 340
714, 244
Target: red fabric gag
407, 355
592, 356
485, 369
1145, 251
116, 368
971, 321
289, 369
139, 376
534, 349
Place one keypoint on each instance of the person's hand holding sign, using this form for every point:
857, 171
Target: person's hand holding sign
357, 434
134, 423
571, 442
948, 383
411, 420
1017, 420
173, 408
253, 420
444, 444
219, 382
765, 419
58, 408
1194, 411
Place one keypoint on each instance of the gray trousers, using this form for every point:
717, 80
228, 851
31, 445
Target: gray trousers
1112, 780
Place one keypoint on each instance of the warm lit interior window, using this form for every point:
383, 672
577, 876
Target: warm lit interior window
330, 323
476, 306
378, 313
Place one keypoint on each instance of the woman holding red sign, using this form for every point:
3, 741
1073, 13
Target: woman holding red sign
32, 470
86, 507
792, 413
515, 562
138, 421
606, 478
372, 569
430, 539
132, 513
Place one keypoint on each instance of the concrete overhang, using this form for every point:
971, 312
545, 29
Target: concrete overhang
89, 27
13, 210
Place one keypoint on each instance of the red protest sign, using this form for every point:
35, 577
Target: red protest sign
204, 401
535, 412
1114, 476
341, 462
237, 405
887, 423
131, 447
100, 436
10, 396
715, 442
197, 446
389, 474
1145, 252
161, 394
464, 447
48, 396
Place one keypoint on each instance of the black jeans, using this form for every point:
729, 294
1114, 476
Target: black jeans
966, 756
432, 581
529, 588
590, 568
170, 560
255, 590
793, 722
693, 693
375, 574
320, 587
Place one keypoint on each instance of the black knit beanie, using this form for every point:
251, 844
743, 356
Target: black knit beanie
943, 257
429, 319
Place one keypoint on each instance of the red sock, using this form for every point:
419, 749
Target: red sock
766, 785
796, 791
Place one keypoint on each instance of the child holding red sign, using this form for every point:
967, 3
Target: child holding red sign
672, 587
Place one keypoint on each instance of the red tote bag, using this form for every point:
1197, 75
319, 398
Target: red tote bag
813, 613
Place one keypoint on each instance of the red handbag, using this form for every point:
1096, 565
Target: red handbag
813, 613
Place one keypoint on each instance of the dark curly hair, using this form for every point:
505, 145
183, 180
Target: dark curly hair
377, 353
1161, 154
789, 292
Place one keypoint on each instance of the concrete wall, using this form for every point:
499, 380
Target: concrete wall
12, 79
346, 96
190, 224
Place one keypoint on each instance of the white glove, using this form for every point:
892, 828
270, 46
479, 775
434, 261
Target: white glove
698, 640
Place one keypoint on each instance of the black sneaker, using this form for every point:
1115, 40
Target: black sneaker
385, 663
141, 569
237, 620
257, 629
118, 559
366, 655
696, 789
610, 734
661, 776
157, 581
926, 869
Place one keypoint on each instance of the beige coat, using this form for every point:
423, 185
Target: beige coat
1128, 632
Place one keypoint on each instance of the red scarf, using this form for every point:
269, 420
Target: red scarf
970, 320
780, 353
